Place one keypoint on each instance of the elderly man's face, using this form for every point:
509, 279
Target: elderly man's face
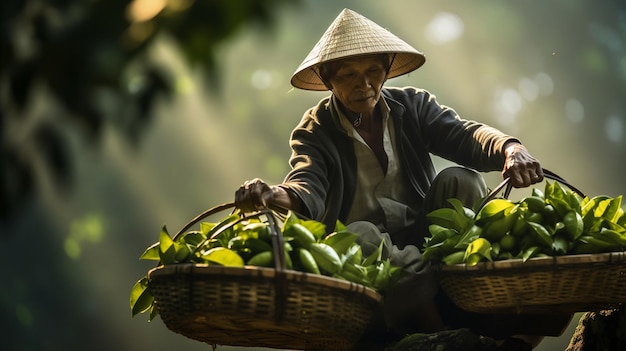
358, 82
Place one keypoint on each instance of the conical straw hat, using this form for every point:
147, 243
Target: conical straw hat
352, 34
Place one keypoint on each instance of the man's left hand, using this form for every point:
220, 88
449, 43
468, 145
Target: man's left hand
520, 166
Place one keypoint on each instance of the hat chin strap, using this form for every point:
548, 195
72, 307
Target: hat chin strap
329, 87
390, 64
317, 73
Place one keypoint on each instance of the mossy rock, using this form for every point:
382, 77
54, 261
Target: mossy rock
601, 330
454, 340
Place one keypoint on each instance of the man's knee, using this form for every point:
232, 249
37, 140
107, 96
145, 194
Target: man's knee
461, 176
464, 184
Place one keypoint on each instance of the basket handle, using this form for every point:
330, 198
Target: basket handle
507, 183
211, 211
277, 248
275, 233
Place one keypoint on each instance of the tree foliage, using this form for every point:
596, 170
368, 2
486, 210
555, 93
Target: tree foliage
90, 58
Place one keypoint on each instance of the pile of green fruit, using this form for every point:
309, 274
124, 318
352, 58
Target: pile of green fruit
246, 240
554, 222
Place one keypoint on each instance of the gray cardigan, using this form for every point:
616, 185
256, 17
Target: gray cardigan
323, 163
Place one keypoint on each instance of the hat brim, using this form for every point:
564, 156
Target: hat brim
351, 35
308, 78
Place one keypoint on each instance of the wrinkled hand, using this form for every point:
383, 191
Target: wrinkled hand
521, 167
253, 195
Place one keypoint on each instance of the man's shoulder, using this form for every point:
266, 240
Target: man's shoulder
318, 117
404, 92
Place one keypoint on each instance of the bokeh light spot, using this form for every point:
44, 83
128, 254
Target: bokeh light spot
261, 79
444, 27
574, 111
87, 229
72, 248
529, 89
614, 128
506, 104
184, 85
511, 101
24, 315
144, 10
545, 83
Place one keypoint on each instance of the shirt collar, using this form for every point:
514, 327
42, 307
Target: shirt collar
345, 122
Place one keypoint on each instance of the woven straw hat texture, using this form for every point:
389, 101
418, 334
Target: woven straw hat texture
352, 34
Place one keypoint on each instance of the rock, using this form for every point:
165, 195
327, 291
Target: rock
454, 340
600, 331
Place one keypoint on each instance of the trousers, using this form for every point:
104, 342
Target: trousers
418, 286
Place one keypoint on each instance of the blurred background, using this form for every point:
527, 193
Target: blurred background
118, 117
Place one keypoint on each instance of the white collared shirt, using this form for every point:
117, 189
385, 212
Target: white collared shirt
380, 198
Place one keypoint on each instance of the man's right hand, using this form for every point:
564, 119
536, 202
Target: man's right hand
256, 194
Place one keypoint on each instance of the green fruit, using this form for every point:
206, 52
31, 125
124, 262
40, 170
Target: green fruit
351, 277
454, 258
259, 229
508, 243
263, 259
354, 269
288, 261
534, 203
573, 223
326, 258
549, 215
247, 247
498, 228
307, 261
301, 234
520, 227
534, 217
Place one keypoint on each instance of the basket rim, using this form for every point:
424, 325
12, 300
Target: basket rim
200, 269
539, 262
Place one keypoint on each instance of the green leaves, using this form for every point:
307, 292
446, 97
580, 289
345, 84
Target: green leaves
141, 298
342, 241
237, 241
223, 257
493, 210
167, 248
478, 250
556, 221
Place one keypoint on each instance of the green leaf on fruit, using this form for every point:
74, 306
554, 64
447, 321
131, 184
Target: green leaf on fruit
223, 257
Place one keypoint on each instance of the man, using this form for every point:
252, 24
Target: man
363, 156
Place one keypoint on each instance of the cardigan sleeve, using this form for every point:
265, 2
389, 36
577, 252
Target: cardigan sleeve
466, 142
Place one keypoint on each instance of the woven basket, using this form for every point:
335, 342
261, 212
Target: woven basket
568, 284
261, 307
572, 283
